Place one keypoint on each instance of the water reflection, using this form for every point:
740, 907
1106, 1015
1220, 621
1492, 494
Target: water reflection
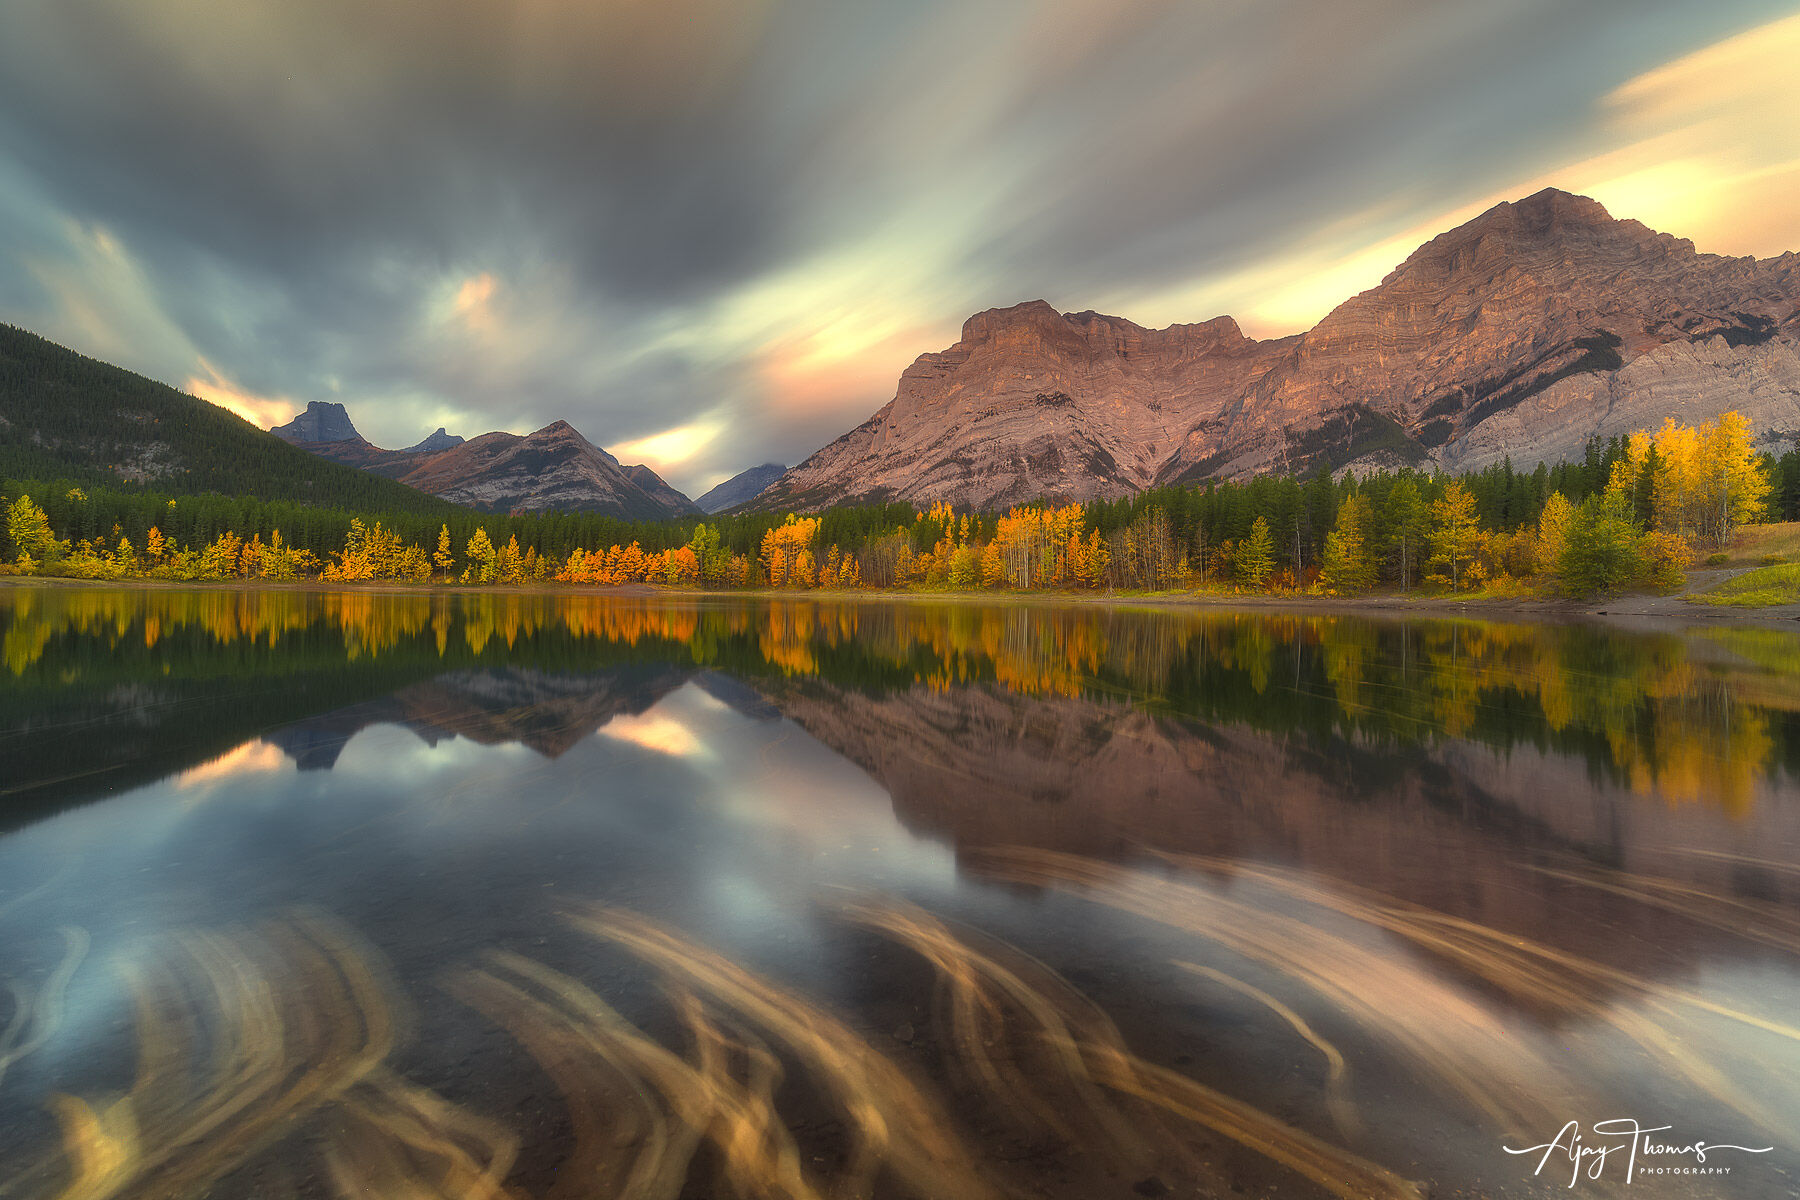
355, 894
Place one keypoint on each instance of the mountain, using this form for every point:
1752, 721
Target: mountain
64, 416
321, 422
1526, 331
433, 443
740, 488
653, 486
1030, 403
552, 470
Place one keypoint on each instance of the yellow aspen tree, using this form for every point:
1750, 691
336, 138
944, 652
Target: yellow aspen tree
1553, 531
1098, 557
1738, 485
442, 558
1455, 531
479, 553
993, 566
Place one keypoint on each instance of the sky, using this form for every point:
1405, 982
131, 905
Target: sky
711, 233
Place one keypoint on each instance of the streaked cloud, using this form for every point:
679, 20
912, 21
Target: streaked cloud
671, 450
266, 411
1710, 145
710, 233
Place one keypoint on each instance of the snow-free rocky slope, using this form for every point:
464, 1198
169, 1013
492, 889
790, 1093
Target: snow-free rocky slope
1524, 332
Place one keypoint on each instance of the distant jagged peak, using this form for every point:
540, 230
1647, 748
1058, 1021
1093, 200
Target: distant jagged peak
438, 441
740, 487
323, 421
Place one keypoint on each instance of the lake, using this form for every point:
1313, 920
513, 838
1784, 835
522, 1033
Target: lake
357, 894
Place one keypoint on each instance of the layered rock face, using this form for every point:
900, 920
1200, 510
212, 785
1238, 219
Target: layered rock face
1526, 331
1535, 326
674, 503
321, 422
1031, 402
552, 470
740, 488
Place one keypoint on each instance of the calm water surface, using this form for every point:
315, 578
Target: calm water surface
353, 895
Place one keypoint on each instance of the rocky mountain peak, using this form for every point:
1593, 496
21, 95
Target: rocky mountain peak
438, 441
1548, 227
1551, 207
323, 421
554, 469
1033, 327
740, 487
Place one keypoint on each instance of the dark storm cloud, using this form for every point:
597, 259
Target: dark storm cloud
644, 216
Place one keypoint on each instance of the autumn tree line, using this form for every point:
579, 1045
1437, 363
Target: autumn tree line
1631, 514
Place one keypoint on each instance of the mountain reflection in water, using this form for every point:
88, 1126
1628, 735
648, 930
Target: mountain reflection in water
361, 894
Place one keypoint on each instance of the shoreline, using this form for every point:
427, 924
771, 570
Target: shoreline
1643, 611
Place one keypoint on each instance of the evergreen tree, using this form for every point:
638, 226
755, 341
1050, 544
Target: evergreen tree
1254, 559
1600, 553
1346, 566
1404, 515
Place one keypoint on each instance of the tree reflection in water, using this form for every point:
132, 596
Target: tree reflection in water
1521, 868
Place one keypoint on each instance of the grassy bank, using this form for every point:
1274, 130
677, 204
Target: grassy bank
1764, 587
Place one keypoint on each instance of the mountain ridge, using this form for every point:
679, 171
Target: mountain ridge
740, 488
1526, 330
553, 469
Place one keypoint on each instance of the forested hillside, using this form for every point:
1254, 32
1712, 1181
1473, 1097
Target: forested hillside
64, 416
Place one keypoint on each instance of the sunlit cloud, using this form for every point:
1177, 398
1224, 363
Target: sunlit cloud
655, 731
1711, 145
1706, 147
102, 300
261, 411
473, 302
815, 373
711, 235
671, 449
